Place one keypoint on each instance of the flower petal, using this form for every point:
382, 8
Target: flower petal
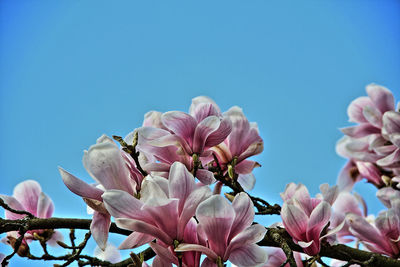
99, 228
79, 187
247, 181
381, 97
205, 176
135, 240
294, 220
203, 130
180, 183
142, 227
45, 206
244, 213
105, 164
216, 215
195, 247
182, 124
250, 235
27, 193
248, 256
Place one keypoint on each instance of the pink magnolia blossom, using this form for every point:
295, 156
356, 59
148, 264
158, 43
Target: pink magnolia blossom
229, 232
383, 235
164, 211
28, 196
243, 142
185, 137
111, 168
305, 218
373, 144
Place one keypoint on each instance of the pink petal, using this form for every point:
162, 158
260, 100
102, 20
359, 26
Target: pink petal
99, 228
253, 149
373, 116
57, 236
319, 218
248, 256
361, 229
391, 121
250, 235
205, 176
329, 193
203, 130
348, 176
218, 136
79, 187
194, 247
216, 216
135, 240
106, 165
391, 160
246, 166
294, 220
122, 205
27, 193
45, 206
159, 213
181, 183
355, 109
159, 262
360, 130
370, 172
142, 227
244, 214
110, 253
190, 206
247, 181
164, 253
381, 97
388, 223
13, 203
182, 124
202, 107
208, 263
153, 119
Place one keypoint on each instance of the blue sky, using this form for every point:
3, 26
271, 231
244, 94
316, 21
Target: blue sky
73, 70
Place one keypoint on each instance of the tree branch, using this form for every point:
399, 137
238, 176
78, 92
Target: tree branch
340, 252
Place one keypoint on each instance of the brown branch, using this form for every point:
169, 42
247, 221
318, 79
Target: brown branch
131, 150
21, 212
340, 252
54, 223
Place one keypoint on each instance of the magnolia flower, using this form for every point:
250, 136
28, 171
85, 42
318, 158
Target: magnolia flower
185, 138
229, 232
244, 141
28, 196
373, 144
383, 234
111, 168
305, 218
164, 210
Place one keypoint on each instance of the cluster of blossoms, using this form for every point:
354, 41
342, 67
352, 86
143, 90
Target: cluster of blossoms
149, 187
164, 184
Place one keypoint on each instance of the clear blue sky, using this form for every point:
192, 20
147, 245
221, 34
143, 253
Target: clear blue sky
73, 70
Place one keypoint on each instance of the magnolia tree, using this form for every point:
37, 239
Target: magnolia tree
162, 186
